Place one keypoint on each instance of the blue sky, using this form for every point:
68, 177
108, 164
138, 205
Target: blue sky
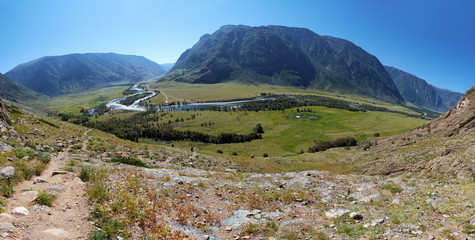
432, 39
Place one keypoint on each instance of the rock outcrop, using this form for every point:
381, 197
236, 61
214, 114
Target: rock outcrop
460, 118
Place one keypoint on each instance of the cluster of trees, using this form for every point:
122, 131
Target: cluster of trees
129, 100
101, 109
325, 145
140, 125
129, 91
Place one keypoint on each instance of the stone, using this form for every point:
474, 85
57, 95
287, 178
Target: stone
20, 211
41, 208
377, 222
57, 232
55, 189
4, 147
396, 201
40, 180
9, 159
58, 172
336, 212
6, 226
356, 215
6, 216
7, 173
229, 229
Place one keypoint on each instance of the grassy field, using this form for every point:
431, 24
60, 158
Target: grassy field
176, 91
286, 132
72, 103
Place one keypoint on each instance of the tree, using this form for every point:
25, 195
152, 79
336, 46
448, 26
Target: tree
258, 128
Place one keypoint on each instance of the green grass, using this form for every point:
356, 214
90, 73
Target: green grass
285, 135
176, 91
44, 198
129, 161
73, 103
392, 188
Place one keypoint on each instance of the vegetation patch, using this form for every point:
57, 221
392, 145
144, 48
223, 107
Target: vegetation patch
321, 145
129, 161
129, 100
44, 198
48, 123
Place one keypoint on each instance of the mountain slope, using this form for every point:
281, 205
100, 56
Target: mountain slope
448, 97
284, 56
416, 90
78, 72
15, 92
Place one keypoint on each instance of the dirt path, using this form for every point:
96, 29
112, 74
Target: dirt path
66, 219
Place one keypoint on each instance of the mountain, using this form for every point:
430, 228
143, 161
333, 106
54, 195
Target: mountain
448, 97
15, 92
59, 75
167, 66
418, 92
284, 56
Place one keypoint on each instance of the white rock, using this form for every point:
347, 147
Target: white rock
6, 226
20, 211
336, 212
57, 232
7, 172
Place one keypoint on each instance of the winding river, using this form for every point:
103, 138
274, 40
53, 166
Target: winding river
115, 104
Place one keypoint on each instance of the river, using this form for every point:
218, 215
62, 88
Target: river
115, 104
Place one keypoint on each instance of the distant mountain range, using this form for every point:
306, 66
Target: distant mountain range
418, 92
284, 56
274, 55
72, 73
15, 92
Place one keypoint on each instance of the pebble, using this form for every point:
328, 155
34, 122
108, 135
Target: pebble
7, 173
229, 229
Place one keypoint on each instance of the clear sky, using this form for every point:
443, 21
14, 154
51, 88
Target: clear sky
432, 39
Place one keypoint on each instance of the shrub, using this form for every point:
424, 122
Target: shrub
22, 152
7, 189
325, 145
44, 198
129, 161
265, 155
376, 134
86, 174
392, 188
234, 153
45, 158
219, 151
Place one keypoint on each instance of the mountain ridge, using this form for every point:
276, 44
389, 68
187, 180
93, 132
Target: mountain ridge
420, 93
284, 56
58, 75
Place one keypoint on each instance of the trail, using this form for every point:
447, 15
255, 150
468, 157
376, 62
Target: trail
68, 216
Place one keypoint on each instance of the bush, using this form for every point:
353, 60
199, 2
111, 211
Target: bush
219, 151
44, 198
22, 152
129, 161
86, 174
392, 188
376, 134
234, 153
265, 155
45, 158
325, 145
7, 189
98, 235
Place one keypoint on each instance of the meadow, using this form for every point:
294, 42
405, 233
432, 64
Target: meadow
286, 133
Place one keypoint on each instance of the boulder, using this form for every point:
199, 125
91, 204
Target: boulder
20, 211
7, 173
336, 212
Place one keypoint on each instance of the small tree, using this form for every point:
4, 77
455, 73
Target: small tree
258, 128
